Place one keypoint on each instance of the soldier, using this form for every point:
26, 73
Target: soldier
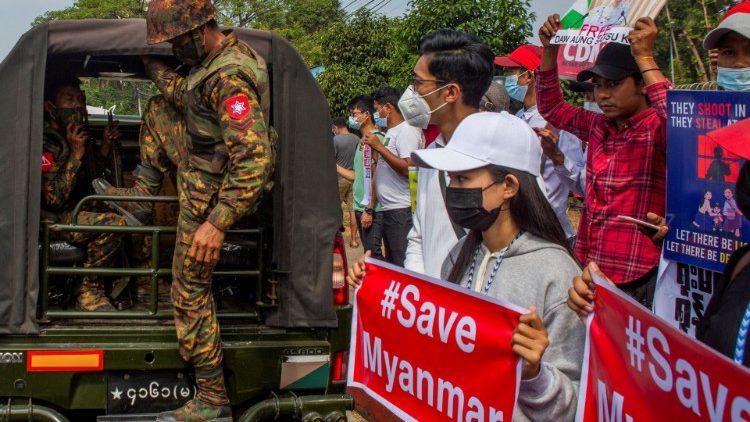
216, 132
63, 151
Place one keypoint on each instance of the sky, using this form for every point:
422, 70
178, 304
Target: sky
18, 14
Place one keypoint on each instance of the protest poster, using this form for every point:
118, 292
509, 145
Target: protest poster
421, 346
706, 225
638, 368
590, 24
682, 294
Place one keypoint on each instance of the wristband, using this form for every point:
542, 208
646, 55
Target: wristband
369, 211
644, 57
648, 70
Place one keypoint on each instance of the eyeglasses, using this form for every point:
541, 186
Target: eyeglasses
416, 81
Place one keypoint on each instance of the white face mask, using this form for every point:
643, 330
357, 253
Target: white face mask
592, 106
415, 109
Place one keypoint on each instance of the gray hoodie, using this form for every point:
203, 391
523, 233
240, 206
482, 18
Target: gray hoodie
539, 273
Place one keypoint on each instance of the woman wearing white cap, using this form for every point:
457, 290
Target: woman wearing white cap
516, 250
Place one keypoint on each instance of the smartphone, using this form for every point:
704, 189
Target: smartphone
637, 221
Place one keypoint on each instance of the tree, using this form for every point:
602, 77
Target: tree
356, 59
100, 9
502, 24
683, 25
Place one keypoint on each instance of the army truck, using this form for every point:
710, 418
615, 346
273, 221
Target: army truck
279, 287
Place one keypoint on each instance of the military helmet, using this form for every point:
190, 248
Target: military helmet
168, 19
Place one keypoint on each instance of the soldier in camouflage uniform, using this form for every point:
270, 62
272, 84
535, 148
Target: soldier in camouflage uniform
63, 150
221, 147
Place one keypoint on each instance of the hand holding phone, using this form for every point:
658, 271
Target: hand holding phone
638, 222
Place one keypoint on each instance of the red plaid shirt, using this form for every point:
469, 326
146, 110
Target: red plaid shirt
625, 175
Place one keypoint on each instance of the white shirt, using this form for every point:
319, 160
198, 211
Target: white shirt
393, 188
432, 236
573, 174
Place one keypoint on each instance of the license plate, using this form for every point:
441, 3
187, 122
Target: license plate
147, 392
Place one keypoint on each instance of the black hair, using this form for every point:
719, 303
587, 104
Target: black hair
388, 95
339, 121
362, 103
462, 58
212, 24
53, 85
529, 209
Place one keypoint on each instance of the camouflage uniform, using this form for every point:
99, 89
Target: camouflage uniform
224, 159
101, 248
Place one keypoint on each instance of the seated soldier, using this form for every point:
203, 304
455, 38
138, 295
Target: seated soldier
64, 146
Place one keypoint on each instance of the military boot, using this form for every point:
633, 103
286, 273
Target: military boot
135, 213
143, 290
197, 411
91, 297
210, 403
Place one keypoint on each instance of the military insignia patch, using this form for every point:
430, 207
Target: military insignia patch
238, 106
47, 162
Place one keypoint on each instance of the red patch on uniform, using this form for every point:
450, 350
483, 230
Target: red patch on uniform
238, 106
47, 161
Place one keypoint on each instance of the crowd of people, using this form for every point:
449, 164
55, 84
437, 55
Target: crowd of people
492, 187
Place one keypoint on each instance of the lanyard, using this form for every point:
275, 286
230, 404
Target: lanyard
498, 260
739, 348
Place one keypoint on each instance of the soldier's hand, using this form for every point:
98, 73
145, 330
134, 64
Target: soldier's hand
207, 243
111, 133
76, 137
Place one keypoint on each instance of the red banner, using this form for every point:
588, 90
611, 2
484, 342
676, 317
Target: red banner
421, 349
639, 368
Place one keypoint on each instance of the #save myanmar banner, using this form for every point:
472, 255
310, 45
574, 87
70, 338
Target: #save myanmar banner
705, 223
421, 349
638, 368
591, 24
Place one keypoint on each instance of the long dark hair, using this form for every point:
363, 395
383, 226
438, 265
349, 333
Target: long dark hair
530, 210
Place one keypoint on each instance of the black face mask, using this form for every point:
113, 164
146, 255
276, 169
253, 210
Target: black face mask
465, 208
193, 52
742, 190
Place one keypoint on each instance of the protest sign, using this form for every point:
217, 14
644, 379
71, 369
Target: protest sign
682, 294
591, 24
634, 362
706, 225
421, 349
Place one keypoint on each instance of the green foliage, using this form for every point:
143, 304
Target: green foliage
127, 96
100, 9
301, 22
368, 51
689, 24
355, 54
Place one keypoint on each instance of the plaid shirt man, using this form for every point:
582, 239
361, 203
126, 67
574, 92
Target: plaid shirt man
625, 175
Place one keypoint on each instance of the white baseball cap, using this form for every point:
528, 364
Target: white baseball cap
736, 19
486, 138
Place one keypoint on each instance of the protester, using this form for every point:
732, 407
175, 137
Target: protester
495, 99
367, 210
452, 73
519, 67
729, 308
516, 250
345, 145
392, 180
626, 166
731, 39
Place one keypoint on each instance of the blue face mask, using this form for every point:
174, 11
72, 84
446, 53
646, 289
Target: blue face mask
353, 123
734, 79
379, 120
517, 92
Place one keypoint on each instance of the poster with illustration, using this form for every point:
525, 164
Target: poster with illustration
590, 24
706, 225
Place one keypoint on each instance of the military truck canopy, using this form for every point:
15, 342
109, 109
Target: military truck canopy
306, 210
